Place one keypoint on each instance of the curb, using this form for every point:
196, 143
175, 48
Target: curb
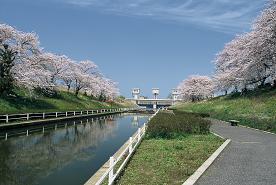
199, 172
257, 129
217, 135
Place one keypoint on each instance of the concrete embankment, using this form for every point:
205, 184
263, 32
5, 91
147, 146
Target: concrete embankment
8, 126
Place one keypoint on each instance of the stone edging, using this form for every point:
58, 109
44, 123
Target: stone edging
256, 129
199, 172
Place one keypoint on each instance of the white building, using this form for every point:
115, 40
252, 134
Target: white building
136, 93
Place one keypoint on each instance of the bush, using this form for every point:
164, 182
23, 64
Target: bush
172, 124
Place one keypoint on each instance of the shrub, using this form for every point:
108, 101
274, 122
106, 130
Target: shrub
171, 124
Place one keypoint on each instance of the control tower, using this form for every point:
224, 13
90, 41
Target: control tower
136, 93
175, 94
155, 92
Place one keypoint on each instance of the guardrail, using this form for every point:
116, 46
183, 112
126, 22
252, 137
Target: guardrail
7, 118
47, 127
131, 147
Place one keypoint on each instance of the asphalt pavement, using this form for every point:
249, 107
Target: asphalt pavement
250, 159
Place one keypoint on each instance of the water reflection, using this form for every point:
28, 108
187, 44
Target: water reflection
64, 155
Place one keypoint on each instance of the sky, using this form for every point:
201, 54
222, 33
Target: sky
138, 43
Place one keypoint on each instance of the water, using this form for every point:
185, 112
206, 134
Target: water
67, 154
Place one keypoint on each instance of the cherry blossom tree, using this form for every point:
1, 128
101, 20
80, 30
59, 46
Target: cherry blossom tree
231, 64
108, 89
84, 73
17, 49
68, 75
56, 65
265, 27
249, 60
196, 88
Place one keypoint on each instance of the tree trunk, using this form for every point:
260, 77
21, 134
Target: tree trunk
77, 91
263, 82
225, 92
68, 88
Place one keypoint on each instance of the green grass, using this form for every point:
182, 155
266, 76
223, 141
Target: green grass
256, 109
170, 124
168, 161
175, 145
63, 101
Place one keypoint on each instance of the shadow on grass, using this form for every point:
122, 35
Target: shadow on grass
257, 93
22, 103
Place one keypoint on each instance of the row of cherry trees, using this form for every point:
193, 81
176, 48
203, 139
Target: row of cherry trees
247, 62
24, 63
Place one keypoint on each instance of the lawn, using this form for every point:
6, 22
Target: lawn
168, 161
256, 109
63, 101
175, 145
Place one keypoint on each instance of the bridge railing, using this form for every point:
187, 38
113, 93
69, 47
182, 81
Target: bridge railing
7, 118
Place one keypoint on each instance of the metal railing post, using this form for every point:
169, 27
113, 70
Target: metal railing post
7, 118
66, 113
81, 112
139, 134
56, 114
110, 176
28, 116
130, 145
74, 113
43, 115
6, 137
144, 127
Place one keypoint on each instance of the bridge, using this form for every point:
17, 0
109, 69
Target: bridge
155, 102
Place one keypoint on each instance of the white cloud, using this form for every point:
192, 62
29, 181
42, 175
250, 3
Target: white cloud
220, 15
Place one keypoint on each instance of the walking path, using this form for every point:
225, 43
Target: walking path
250, 159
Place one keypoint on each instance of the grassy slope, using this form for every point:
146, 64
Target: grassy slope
256, 109
168, 161
63, 102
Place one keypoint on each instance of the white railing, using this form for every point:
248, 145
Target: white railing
133, 143
46, 115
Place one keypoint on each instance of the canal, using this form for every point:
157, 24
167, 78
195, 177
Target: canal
64, 153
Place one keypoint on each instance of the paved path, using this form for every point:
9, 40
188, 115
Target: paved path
250, 159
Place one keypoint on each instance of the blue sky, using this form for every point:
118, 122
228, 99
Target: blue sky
138, 43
